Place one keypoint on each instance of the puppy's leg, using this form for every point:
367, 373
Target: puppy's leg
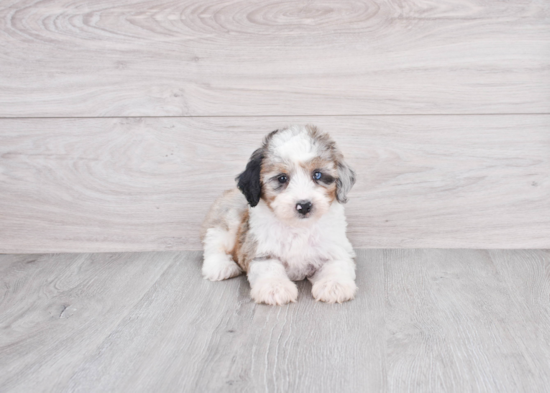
334, 282
218, 265
270, 283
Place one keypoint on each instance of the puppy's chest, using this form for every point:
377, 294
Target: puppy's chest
301, 252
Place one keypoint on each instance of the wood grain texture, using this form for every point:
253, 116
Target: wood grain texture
146, 184
217, 339
454, 325
178, 58
180, 334
527, 275
56, 309
423, 320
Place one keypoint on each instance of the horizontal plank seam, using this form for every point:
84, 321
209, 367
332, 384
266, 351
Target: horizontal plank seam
256, 116
198, 249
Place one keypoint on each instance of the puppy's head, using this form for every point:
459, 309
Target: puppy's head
299, 172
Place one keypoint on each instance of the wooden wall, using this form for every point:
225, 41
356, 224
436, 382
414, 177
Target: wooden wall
121, 121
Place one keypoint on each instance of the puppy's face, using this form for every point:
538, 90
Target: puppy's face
299, 173
298, 181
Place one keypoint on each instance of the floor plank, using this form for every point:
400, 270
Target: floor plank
181, 58
74, 185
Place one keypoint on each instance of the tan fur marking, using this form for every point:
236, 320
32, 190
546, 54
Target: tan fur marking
331, 192
245, 244
270, 169
318, 163
241, 236
268, 195
217, 215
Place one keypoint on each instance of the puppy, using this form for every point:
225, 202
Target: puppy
286, 221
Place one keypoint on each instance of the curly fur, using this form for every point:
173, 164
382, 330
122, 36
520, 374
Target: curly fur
262, 232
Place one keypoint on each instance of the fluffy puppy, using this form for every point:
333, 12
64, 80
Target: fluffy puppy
286, 221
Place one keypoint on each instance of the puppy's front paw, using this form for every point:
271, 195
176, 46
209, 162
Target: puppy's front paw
274, 291
220, 267
334, 291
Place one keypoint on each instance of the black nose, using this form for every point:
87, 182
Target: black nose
304, 207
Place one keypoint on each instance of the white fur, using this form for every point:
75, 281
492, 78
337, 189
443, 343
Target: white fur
217, 264
270, 283
300, 188
320, 252
293, 145
334, 282
302, 249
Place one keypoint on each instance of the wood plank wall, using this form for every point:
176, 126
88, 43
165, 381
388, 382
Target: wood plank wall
121, 121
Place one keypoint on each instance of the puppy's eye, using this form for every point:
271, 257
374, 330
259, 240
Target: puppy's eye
282, 179
317, 175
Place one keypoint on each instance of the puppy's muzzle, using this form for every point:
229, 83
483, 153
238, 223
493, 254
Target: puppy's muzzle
303, 207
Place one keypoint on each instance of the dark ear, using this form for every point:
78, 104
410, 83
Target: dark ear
249, 181
346, 180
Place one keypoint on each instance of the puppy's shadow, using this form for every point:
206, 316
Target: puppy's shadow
304, 291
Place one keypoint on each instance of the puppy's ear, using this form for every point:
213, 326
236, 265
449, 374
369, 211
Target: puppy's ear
249, 181
345, 181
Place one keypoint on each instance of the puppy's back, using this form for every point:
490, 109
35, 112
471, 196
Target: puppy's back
226, 212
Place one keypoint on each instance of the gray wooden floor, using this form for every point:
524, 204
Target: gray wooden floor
424, 320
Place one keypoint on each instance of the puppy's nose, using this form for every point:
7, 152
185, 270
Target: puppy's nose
303, 207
